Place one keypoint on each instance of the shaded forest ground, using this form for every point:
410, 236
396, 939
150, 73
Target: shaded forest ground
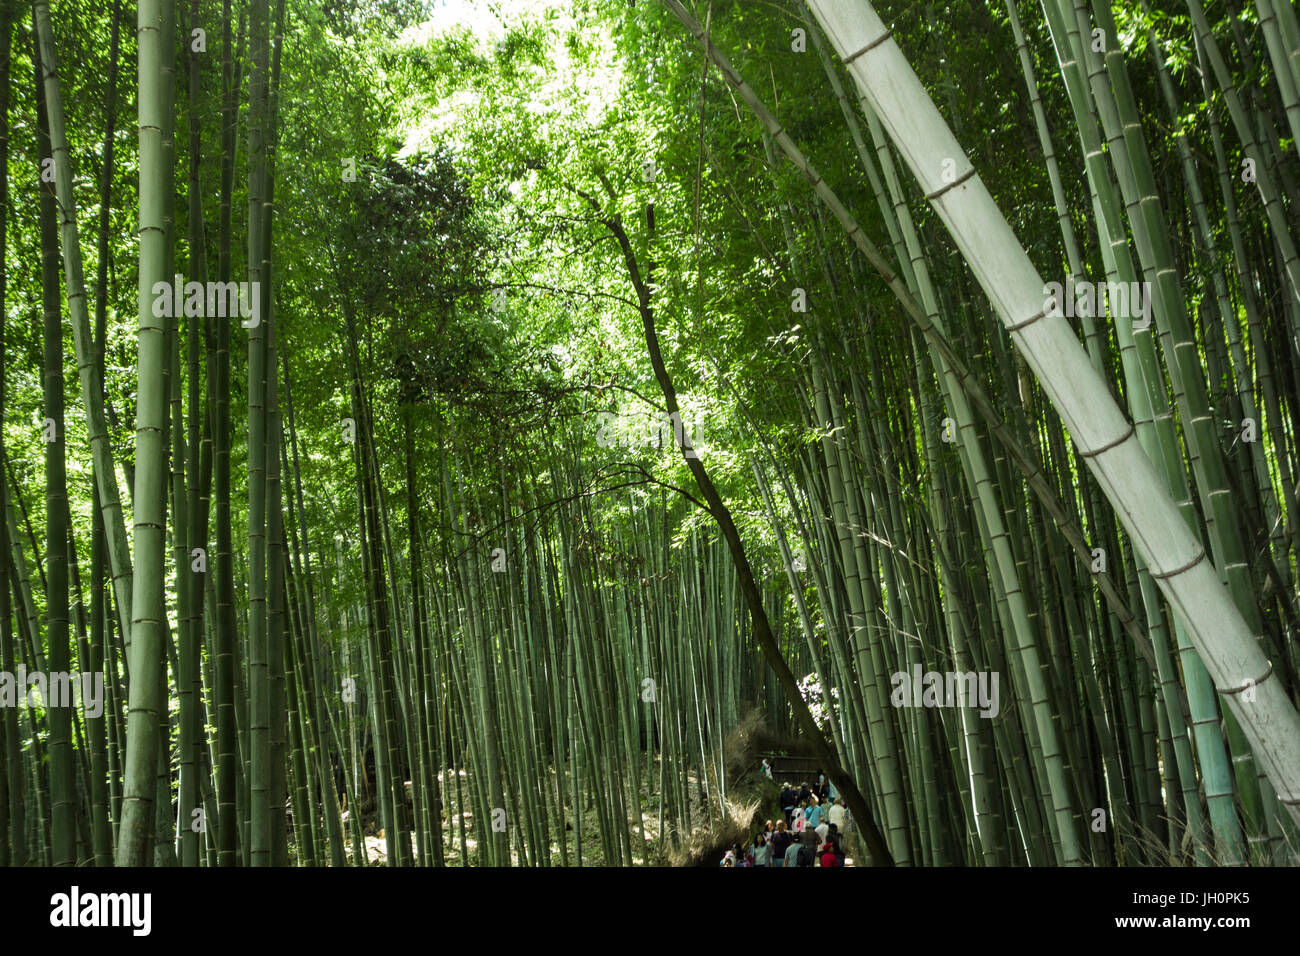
750, 799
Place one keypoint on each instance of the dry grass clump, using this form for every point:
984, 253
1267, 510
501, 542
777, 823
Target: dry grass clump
705, 846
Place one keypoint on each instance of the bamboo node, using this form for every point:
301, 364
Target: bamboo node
1029, 321
1251, 683
1128, 433
952, 185
870, 46
1163, 575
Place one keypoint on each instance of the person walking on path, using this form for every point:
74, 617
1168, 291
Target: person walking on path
837, 814
842, 819
807, 851
780, 843
814, 812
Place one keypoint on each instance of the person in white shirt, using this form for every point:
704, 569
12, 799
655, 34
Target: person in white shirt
838, 814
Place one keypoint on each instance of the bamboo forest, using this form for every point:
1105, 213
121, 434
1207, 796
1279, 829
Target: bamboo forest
676, 433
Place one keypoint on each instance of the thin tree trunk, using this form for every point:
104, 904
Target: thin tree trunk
58, 712
879, 852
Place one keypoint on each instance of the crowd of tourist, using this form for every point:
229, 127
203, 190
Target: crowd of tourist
811, 833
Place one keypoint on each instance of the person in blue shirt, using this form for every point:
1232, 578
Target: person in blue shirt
814, 813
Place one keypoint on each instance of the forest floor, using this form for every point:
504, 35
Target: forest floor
649, 850
702, 844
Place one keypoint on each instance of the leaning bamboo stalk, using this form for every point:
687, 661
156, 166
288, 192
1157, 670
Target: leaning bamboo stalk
1147, 396
934, 337
1283, 73
1105, 438
92, 385
1253, 148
